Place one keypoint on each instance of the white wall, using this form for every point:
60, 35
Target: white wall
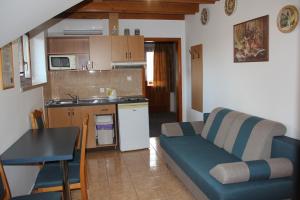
15, 107
148, 28
18, 17
267, 89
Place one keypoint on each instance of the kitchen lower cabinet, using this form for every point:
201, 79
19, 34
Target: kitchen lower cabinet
93, 112
73, 116
64, 116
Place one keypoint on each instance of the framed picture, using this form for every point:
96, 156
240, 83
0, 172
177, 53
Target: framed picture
229, 7
287, 19
204, 16
6, 67
251, 40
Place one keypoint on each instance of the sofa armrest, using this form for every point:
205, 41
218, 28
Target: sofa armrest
182, 128
238, 172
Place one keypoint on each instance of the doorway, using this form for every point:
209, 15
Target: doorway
163, 81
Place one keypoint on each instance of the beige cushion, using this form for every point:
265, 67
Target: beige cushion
238, 172
181, 129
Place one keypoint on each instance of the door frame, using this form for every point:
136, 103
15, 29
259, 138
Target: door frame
177, 42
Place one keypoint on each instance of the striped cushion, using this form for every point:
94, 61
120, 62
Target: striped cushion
218, 125
182, 129
238, 172
250, 137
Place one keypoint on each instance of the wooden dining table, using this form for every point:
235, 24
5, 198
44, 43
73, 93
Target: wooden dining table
44, 145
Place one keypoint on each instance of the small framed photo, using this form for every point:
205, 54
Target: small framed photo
229, 7
204, 16
287, 19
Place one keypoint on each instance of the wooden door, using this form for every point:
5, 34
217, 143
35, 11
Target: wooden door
197, 77
136, 48
100, 52
59, 117
119, 49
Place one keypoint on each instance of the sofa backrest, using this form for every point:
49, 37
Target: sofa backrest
250, 137
218, 124
245, 136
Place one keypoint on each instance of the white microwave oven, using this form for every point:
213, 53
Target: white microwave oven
62, 62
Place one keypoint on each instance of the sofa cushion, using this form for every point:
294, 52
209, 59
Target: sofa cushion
196, 156
182, 129
217, 125
250, 137
238, 172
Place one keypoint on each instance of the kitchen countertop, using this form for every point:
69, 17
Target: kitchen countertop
92, 102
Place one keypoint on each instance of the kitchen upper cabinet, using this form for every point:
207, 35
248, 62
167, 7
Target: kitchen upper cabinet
64, 117
100, 52
127, 48
119, 49
68, 45
136, 48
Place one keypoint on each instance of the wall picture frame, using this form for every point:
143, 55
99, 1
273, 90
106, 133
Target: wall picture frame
229, 7
204, 16
287, 19
6, 67
251, 40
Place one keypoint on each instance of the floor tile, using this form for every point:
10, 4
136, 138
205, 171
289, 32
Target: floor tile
136, 175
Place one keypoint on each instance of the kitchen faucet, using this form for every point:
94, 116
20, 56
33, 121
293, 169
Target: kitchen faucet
75, 98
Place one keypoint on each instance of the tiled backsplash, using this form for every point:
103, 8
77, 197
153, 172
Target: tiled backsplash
87, 84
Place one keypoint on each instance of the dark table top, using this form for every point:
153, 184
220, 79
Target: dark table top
50, 144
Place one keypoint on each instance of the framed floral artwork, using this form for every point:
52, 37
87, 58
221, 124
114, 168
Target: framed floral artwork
251, 40
287, 19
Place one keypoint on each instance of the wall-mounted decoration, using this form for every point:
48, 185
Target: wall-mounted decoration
251, 40
204, 16
229, 7
287, 19
126, 31
6, 67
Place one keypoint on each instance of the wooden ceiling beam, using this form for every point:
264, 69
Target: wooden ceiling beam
139, 7
95, 15
169, 1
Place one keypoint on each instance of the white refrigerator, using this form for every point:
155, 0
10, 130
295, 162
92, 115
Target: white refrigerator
133, 126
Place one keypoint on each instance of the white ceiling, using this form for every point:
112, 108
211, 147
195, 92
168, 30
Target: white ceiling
19, 16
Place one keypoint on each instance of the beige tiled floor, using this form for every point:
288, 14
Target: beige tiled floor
136, 175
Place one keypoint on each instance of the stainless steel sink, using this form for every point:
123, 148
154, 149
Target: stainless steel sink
92, 101
62, 102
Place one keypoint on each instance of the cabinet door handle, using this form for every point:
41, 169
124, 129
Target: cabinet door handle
126, 55
104, 109
73, 113
129, 55
68, 113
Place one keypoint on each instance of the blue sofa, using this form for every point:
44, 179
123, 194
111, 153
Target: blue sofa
193, 149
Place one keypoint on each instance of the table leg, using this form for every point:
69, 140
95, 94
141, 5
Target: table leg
66, 187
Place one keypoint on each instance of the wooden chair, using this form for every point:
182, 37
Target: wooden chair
50, 177
37, 119
6, 195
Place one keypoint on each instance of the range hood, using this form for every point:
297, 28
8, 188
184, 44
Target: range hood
119, 65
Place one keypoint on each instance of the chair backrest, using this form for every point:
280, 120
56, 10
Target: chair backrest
83, 148
4, 188
37, 119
